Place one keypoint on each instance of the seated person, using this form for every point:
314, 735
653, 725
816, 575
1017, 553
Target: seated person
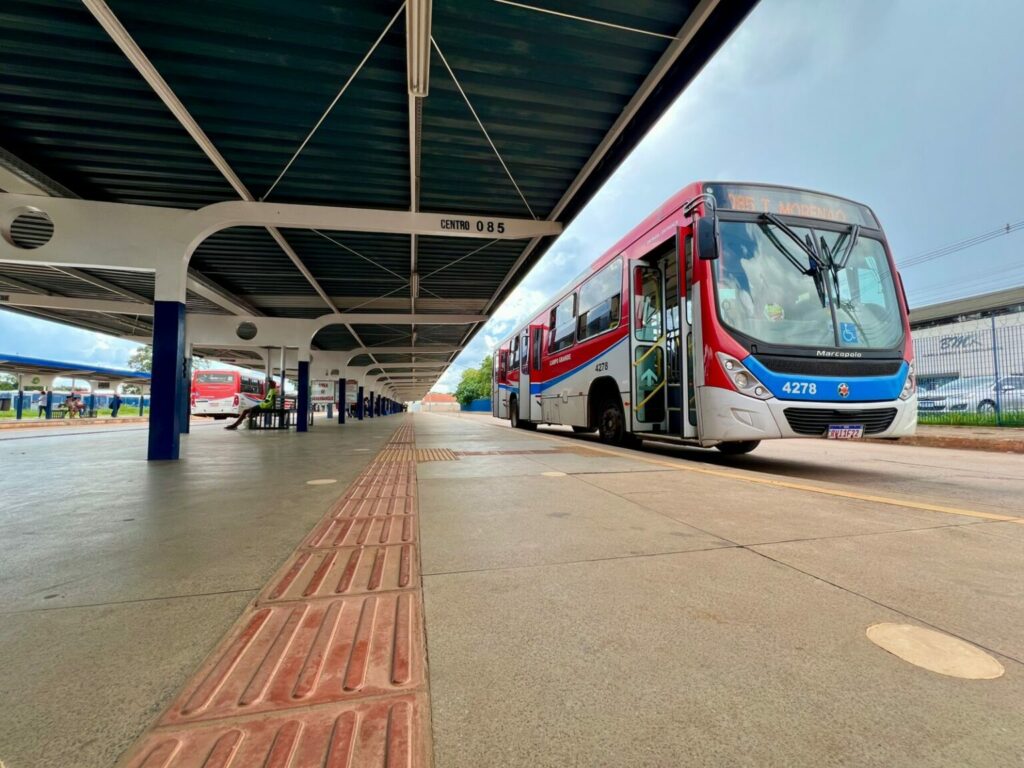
268, 403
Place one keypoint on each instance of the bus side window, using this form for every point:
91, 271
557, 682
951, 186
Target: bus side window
538, 343
563, 324
514, 365
524, 363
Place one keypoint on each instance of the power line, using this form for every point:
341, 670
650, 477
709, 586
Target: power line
961, 245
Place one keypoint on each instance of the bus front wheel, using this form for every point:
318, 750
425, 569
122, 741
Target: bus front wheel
739, 447
513, 413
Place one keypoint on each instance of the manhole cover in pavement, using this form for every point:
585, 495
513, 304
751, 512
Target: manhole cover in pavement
322, 481
935, 651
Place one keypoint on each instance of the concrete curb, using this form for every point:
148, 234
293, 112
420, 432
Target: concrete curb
992, 444
33, 424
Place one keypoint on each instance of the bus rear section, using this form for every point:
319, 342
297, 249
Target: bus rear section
221, 394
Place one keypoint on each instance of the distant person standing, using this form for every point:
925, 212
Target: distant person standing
268, 403
42, 403
115, 405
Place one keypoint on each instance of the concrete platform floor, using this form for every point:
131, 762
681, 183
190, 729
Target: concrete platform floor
583, 607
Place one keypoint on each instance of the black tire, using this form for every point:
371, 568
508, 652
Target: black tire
513, 413
738, 448
583, 430
611, 423
987, 408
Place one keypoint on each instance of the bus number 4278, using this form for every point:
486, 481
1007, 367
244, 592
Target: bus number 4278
800, 388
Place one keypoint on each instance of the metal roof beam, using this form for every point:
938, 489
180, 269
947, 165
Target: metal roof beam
397, 318
144, 66
112, 330
20, 177
427, 350
200, 285
74, 305
104, 284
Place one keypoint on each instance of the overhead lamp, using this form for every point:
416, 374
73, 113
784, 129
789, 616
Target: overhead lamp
417, 46
414, 285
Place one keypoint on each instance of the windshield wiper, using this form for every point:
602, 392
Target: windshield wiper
815, 262
837, 262
806, 247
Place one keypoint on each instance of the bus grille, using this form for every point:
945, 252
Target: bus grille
811, 366
815, 421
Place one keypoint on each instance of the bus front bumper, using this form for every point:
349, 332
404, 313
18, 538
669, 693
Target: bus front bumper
729, 416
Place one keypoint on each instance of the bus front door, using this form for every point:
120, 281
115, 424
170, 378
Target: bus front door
648, 410
523, 400
676, 266
536, 344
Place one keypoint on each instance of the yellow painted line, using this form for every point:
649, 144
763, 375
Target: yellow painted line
921, 505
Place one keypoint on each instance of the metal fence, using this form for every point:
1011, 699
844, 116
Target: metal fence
31, 403
971, 372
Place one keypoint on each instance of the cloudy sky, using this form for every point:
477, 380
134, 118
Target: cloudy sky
915, 107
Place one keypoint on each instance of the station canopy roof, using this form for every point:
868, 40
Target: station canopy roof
35, 366
529, 107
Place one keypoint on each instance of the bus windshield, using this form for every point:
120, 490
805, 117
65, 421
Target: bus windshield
777, 290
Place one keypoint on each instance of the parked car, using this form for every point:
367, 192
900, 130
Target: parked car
975, 394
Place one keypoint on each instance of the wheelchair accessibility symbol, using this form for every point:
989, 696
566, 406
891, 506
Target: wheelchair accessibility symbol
848, 333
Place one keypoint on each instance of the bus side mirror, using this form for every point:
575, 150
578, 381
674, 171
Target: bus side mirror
706, 238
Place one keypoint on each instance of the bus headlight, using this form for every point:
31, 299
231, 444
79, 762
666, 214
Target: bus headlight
910, 385
744, 381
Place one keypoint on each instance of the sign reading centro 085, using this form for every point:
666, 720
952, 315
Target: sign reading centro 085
474, 225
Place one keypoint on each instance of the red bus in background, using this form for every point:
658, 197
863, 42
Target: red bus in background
225, 393
734, 313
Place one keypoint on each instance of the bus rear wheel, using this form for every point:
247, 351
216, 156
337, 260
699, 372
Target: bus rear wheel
611, 423
513, 413
738, 448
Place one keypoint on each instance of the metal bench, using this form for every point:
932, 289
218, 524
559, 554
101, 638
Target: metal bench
270, 418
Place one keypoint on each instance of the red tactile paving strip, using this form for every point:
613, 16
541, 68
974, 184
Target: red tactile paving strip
347, 570
346, 531
328, 666
310, 652
374, 507
388, 732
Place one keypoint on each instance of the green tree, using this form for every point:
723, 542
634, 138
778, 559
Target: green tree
475, 383
142, 359
7, 382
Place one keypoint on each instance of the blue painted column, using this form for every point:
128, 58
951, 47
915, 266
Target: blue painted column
18, 407
302, 404
359, 404
369, 404
342, 399
166, 382
91, 402
48, 412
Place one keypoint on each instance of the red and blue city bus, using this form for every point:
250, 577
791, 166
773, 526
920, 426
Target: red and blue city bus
223, 393
734, 313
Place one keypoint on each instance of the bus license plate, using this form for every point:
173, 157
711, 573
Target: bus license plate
845, 431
